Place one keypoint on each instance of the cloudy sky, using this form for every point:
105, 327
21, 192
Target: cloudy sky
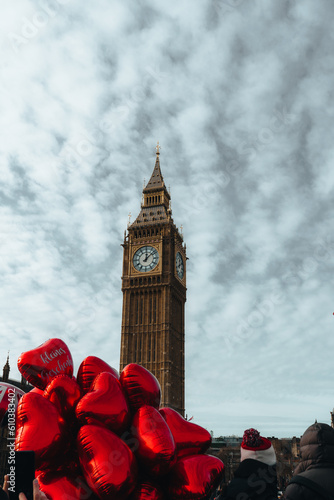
240, 95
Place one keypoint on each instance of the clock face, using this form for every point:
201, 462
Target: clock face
146, 259
179, 265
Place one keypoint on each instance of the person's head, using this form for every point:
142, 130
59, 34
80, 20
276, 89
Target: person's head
256, 447
317, 434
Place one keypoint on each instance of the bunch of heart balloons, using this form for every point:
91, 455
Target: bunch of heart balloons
103, 435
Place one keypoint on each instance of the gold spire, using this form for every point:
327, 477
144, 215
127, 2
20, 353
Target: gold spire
158, 148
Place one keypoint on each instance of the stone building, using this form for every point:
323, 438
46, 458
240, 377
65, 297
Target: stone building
287, 454
227, 448
154, 292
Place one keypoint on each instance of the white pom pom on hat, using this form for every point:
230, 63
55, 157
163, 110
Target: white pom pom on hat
257, 447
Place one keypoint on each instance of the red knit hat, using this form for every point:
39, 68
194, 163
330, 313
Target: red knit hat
257, 447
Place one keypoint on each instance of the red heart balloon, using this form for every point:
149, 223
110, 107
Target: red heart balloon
39, 366
141, 386
64, 393
108, 464
89, 369
156, 447
189, 438
58, 486
106, 404
147, 491
40, 428
195, 477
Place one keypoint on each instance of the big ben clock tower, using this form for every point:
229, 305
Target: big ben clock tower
154, 292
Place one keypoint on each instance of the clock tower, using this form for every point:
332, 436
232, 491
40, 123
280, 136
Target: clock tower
154, 292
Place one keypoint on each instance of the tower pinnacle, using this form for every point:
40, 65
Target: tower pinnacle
155, 203
156, 181
6, 369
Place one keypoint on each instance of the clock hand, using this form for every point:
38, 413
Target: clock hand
147, 256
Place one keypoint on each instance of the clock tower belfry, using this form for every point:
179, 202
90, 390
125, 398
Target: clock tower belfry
154, 292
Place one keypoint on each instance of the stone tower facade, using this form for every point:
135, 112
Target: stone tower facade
154, 292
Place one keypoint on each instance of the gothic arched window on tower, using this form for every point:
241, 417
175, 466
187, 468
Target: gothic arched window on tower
137, 310
141, 311
150, 314
135, 348
155, 309
139, 350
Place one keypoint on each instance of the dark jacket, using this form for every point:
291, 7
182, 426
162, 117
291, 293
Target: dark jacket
317, 463
252, 480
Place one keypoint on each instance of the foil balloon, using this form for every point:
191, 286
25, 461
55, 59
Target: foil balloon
141, 386
108, 464
40, 428
189, 438
145, 490
64, 393
89, 369
39, 366
105, 404
58, 486
156, 447
195, 477
9, 395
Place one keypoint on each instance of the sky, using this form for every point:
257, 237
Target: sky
240, 96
